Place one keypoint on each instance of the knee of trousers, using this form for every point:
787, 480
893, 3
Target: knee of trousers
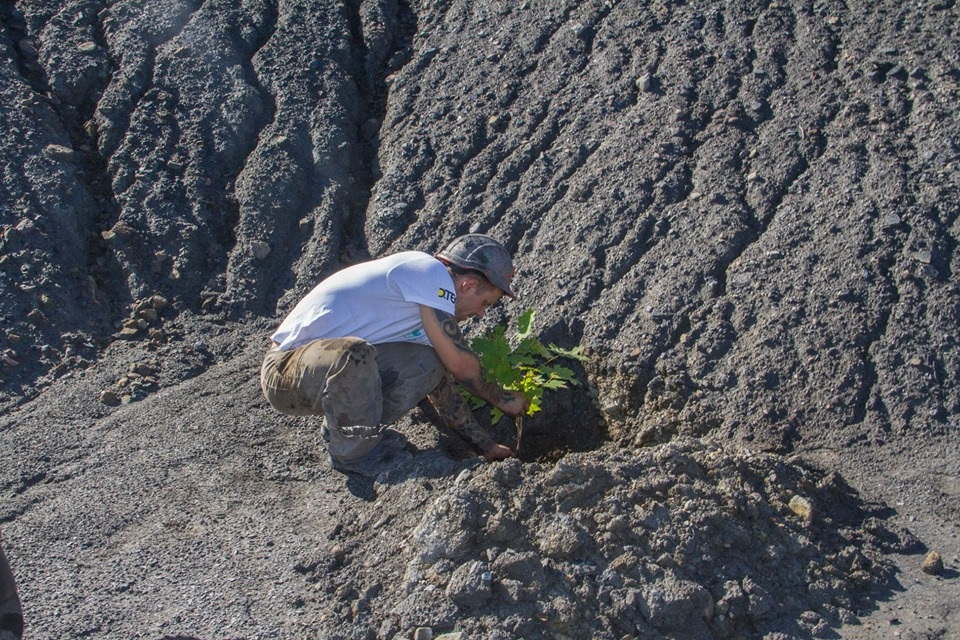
352, 393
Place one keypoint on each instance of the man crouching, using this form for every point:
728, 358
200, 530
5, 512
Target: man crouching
367, 344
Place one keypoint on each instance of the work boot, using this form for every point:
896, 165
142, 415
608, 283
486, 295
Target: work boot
391, 437
374, 463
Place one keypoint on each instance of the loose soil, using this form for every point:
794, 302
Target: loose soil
746, 213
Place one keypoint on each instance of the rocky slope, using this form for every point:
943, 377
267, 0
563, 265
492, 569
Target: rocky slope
747, 213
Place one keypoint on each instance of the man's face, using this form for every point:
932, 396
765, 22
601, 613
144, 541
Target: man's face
474, 297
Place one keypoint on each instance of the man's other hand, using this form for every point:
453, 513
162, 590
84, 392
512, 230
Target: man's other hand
498, 452
514, 404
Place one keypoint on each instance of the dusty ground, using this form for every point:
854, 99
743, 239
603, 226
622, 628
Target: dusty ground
747, 213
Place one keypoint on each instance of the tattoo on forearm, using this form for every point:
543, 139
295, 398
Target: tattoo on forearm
448, 402
479, 386
489, 391
450, 327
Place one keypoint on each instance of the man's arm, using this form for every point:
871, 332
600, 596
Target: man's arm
464, 365
448, 402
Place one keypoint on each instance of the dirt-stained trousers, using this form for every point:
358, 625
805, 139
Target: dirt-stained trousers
357, 387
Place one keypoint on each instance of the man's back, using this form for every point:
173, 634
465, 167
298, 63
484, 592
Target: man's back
377, 301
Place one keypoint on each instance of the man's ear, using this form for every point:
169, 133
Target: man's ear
468, 283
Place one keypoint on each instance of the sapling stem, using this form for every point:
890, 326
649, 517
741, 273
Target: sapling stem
518, 421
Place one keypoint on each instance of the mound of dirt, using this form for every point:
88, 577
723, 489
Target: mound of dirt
595, 546
746, 213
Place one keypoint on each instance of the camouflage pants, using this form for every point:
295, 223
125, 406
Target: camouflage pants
357, 387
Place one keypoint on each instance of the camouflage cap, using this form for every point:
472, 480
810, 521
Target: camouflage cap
482, 253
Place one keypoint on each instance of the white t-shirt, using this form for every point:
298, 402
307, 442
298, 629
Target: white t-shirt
377, 301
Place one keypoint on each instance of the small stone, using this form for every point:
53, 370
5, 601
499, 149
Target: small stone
87, 47
58, 152
467, 588
423, 633
260, 249
143, 369
741, 279
109, 398
129, 332
802, 507
833, 21
891, 220
753, 176
120, 229
645, 83
456, 635
37, 318
932, 563
924, 256
158, 302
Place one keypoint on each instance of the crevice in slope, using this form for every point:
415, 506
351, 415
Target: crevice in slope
108, 125
249, 43
382, 44
25, 53
868, 391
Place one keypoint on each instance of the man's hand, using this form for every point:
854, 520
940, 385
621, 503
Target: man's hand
498, 452
514, 404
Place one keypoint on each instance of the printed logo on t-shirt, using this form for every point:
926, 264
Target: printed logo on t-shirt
447, 295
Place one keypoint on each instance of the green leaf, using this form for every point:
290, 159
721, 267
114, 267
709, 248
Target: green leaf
574, 354
525, 323
532, 346
556, 371
524, 361
525, 367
